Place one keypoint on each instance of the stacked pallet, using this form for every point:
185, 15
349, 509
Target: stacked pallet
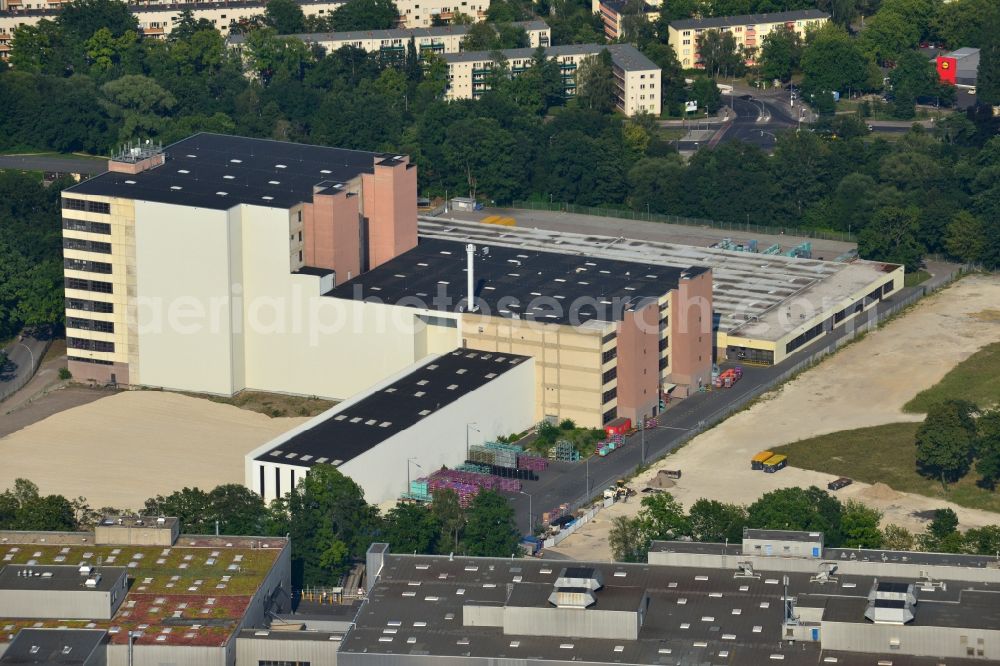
565, 451
534, 463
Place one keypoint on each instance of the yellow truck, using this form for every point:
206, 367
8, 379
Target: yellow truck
757, 462
774, 463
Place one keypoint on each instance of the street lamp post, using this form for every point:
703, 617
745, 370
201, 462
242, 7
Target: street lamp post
31, 356
529, 510
467, 427
409, 461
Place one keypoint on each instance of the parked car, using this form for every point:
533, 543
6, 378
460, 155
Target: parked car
837, 484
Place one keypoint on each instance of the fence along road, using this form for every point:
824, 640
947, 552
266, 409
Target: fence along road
692, 416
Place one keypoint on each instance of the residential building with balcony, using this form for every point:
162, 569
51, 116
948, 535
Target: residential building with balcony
392, 44
749, 31
637, 78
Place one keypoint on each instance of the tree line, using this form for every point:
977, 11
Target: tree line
956, 438
843, 524
85, 81
326, 516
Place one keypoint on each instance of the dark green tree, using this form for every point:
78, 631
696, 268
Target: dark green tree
662, 518
982, 540
946, 441
810, 509
239, 510
628, 540
80, 19
285, 16
449, 515
988, 74
595, 83
988, 448
715, 521
888, 35
364, 15
191, 506
892, 236
705, 91
944, 524
966, 238
330, 524
833, 62
490, 530
780, 54
412, 528
719, 53
860, 526
913, 77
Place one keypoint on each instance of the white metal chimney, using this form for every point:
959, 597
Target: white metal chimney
470, 252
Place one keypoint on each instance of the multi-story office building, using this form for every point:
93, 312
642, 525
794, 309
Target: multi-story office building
637, 78
157, 18
749, 31
392, 44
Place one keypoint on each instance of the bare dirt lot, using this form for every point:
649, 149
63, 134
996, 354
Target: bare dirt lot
124, 448
865, 384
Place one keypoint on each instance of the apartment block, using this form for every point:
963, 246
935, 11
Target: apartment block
157, 17
749, 30
637, 78
613, 13
392, 44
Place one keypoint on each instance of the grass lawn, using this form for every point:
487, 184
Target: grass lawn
883, 454
272, 404
913, 279
976, 379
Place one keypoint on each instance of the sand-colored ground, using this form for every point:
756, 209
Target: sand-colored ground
865, 384
124, 448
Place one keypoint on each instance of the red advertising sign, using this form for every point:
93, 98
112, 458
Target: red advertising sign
947, 69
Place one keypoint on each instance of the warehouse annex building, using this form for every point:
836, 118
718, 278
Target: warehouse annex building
779, 597
766, 307
224, 263
421, 417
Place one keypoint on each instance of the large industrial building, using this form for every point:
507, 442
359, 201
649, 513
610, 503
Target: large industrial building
222, 264
749, 31
134, 591
779, 597
637, 78
392, 44
765, 306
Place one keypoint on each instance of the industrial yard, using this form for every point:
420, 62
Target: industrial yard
860, 386
125, 448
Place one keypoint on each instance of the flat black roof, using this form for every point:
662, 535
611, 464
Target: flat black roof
891, 586
783, 535
53, 646
261, 172
518, 283
347, 432
62, 577
694, 614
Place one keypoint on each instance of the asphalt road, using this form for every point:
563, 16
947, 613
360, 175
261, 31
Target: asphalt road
80, 165
18, 367
578, 482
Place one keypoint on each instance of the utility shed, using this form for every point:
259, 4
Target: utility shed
61, 591
57, 647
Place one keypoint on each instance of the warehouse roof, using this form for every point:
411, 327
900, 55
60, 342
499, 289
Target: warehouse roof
351, 428
748, 289
748, 19
53, 646
62, 577
219, 171
527, 284
694, 615
393, 33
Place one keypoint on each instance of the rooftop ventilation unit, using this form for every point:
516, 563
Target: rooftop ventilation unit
891, 603
576, 587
